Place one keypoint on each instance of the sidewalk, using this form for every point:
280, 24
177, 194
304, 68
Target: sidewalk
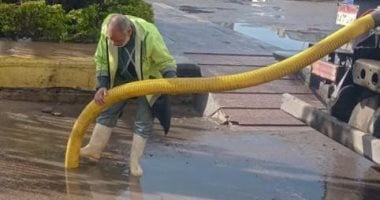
220, 51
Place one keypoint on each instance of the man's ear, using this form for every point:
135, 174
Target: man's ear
129, 32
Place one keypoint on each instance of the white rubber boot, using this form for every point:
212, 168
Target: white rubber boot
99, 139
137, 150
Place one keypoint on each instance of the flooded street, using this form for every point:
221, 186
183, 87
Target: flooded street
285, 24
197, 160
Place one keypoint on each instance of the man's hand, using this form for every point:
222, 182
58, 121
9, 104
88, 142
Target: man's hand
99, 96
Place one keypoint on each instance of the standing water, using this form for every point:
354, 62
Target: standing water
292, 40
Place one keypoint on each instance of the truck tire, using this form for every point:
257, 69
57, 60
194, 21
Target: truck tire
342, 106
366, 115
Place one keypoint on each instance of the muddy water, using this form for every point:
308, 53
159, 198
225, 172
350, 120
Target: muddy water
48, 50
198, 160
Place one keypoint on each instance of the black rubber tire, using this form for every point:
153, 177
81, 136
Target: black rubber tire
342, 106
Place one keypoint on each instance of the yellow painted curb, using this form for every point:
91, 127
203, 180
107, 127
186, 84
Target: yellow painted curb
31, 72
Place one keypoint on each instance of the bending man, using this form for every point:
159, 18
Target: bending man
129, 49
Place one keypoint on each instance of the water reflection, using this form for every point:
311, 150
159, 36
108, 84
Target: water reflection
280, 37
285, 39
102, 184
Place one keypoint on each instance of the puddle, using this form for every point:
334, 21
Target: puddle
199, 10
248, 1
268, 14
293, 40
192, 9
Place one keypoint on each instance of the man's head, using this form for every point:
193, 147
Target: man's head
119, 30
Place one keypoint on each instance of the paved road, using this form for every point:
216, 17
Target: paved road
199, 159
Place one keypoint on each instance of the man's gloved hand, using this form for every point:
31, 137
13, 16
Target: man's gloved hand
170, 74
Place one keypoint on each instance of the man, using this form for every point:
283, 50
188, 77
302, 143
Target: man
129, 49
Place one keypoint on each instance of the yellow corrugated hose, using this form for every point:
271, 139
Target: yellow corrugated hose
214, 84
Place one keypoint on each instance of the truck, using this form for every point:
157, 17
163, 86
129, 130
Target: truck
347, 80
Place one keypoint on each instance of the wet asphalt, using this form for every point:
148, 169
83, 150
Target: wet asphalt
197, 160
